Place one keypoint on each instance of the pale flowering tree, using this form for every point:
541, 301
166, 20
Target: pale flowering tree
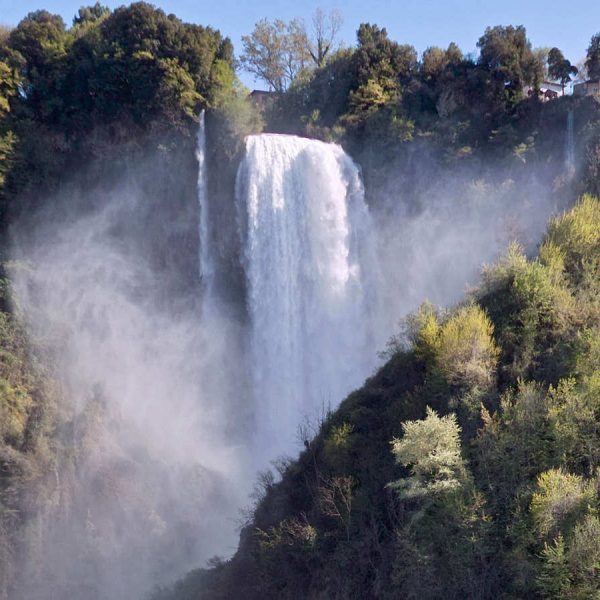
430, 449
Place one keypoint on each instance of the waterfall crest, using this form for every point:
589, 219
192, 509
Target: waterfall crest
306, 238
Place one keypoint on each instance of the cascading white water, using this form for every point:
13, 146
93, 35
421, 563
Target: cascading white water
206, 258
570, 144
307, 249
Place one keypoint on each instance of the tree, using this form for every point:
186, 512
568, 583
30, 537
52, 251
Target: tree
276, 52
89, 14
541, 56
554, 580
4, 33
460, 354
465, 350
582, 72
559, 502
584, 555
454, 54
559, 68
335, 500
514, 445
592, 62
505, 52
433, 63
42, 43
438, 92
570, 566
327, 91
383, 69
430, 448
325, 28
8, 89
140, 62
575, 238
379, 58
573, 412
296, 55
530, 310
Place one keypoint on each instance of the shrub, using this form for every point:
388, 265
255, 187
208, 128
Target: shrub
575, 235
532, 311
560, 500
466, 353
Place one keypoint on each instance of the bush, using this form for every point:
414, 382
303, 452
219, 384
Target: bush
466, 353
575, 237
559, 501
532, 312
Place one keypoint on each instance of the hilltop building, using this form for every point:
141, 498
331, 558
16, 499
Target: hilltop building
587, 88
262, 98
548, 90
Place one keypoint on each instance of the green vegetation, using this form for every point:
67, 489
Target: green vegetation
559, 68
29, 416
118, 83
113, 85
431, 448
447, 112
467, 467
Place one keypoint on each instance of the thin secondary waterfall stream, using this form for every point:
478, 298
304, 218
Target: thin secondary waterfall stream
306, 238
570, 145
206, 261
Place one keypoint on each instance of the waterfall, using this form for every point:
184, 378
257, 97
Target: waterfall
206, 258
307, 247
570, 145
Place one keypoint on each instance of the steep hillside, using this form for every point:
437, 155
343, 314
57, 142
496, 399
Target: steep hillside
30, 416
465, 468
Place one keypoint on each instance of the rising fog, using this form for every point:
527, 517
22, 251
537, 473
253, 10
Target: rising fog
151, 478
434, 244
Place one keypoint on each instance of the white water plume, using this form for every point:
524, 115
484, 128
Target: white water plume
308, 249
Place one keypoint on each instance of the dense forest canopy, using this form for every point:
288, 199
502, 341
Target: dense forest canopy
109, 77
467, 467
67, 93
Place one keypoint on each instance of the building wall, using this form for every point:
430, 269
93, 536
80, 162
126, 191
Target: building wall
587, 88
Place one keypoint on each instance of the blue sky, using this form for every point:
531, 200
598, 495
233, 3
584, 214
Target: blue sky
422, 23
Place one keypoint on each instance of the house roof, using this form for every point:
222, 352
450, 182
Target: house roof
261, 93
